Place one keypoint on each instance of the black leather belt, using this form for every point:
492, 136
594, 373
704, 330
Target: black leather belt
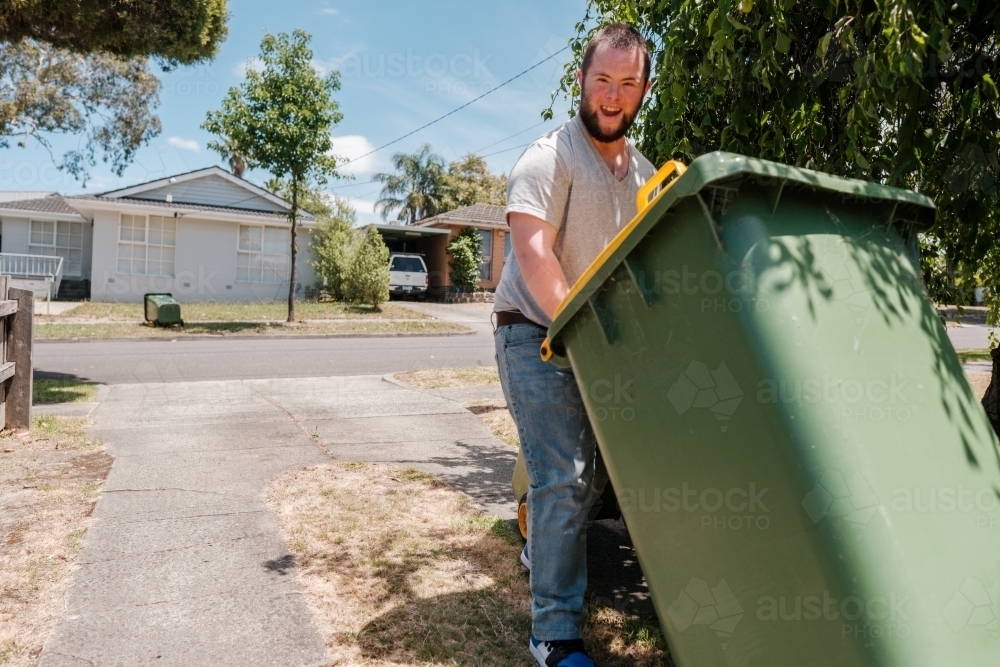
508, 317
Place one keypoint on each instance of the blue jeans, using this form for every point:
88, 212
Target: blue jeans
558, 446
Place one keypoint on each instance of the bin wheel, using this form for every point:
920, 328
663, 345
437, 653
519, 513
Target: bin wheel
522, 518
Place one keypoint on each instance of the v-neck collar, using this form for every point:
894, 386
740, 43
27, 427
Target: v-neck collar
582, 129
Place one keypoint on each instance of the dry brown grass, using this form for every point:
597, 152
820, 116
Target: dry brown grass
208, 311
400, 569
331, 327
497, 417
445, 378
979, 382
49, 482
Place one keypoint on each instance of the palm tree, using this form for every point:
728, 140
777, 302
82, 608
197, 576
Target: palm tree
415, 188
232, 153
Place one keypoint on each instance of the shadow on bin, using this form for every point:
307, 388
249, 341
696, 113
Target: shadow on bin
806, 475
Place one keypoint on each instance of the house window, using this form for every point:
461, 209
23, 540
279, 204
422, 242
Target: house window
486, 266
146, 245
60, 239
506, 245
262, 256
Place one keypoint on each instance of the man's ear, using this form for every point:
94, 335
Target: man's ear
649, 84
579, 77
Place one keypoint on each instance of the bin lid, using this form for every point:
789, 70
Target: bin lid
717, 168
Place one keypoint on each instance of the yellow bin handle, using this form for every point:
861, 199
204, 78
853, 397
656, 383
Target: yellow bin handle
642, 200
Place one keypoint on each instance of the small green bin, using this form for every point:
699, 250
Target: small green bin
805, 472
162, 309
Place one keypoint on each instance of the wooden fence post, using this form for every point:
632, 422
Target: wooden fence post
19, 338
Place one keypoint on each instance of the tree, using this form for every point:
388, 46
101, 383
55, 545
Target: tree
415, 188
903, 93
235, 156
108, 100
333, 244
469, 181
174, 31
281, 118
466, 252
422, 187
367, 281
311, 198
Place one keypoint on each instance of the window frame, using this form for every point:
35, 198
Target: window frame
52, 249
486, 264
286, 254
146, 245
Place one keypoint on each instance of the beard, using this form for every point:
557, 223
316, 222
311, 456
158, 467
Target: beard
590, 115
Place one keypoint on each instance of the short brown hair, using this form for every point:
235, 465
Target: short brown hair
621, 36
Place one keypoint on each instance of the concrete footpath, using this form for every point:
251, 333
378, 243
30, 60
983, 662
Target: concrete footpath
184, 564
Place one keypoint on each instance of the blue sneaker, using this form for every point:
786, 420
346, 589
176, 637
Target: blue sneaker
524, 558
560, 653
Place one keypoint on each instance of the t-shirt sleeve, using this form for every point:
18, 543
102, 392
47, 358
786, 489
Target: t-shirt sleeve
539, 185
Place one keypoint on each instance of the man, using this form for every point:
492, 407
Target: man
567, 197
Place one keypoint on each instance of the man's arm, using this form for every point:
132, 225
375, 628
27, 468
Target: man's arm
533, 239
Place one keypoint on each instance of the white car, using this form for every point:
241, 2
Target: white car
407, 274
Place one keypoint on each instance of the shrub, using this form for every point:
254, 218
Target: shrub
333, 245
367, 279
466, 252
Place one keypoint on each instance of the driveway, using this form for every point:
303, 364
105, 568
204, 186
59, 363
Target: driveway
184, 564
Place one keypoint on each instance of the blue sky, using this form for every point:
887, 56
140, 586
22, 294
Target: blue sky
402, 65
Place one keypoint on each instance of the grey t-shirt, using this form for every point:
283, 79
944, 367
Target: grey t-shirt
562, 179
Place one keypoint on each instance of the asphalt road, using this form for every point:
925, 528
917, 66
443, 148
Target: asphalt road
114, 362
192, 359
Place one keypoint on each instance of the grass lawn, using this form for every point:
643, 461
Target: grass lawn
974, 355
400, 569
62, 391
442, 378
239, 312
50, 479
343, 327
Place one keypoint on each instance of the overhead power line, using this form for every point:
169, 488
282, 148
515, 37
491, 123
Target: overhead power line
440, 118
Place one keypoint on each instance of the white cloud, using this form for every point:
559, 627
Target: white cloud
251, 62
329, 11
184, 144
352, 147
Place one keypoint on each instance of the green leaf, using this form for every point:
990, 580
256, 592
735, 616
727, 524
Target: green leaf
862, 162
990, 87
824, 46
736, 24
784, 43
746, 6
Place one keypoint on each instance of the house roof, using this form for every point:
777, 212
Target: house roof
272, 215
52, 204
488, 214
134, 191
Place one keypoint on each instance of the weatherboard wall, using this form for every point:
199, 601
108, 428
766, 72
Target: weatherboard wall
204, 265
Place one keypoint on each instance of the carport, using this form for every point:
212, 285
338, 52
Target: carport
427, 241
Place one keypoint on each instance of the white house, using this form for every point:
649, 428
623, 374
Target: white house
206, 235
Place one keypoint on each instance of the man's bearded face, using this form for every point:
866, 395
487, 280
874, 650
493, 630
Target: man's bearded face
606, 122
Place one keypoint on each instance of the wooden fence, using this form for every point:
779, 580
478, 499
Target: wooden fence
16, 333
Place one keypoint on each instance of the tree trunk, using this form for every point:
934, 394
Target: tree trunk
294, 272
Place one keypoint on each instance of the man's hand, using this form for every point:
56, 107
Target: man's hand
533, 239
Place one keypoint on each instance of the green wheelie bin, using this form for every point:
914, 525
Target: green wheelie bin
162, 309
805, 472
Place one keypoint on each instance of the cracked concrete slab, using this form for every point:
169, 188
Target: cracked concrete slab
184, 564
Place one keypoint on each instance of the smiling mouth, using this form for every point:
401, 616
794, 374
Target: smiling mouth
610, 111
